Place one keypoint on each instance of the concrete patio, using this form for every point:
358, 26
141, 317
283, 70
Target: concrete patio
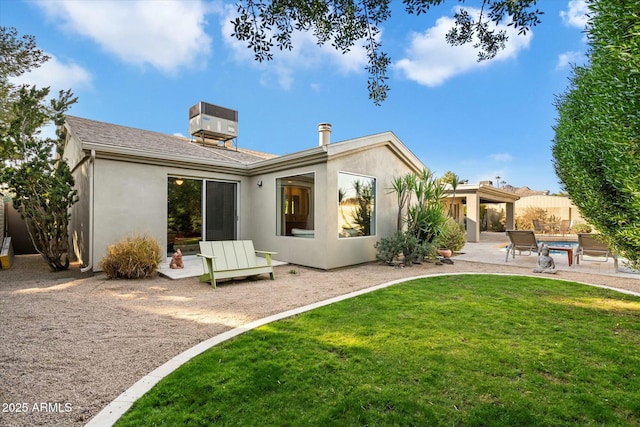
491, 249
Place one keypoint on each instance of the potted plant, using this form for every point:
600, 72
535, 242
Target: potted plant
452, 238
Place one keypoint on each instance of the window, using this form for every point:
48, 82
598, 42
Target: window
295, 205
356, 205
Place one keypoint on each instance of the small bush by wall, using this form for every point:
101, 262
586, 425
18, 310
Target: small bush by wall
405, 246
137, 257
581, 228
524, 221
453, 236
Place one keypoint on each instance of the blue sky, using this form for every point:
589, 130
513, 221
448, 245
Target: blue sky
144, 63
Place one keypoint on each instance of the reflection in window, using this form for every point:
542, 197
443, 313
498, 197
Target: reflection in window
356, 204
295, 205
184, 221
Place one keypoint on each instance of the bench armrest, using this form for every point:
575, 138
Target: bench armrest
266, 252
206, 256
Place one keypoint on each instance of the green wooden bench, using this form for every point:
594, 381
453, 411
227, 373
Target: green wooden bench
232, 258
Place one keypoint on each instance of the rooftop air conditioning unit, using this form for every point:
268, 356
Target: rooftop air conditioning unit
213, 122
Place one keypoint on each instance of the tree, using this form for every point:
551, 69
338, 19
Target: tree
454, 180
17, 55
596, 147
265, 24
33, 168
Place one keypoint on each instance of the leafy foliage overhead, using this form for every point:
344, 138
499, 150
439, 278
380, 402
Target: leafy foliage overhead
17, 56
265, 24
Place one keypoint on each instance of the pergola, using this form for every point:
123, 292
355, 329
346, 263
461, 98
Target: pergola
473, 195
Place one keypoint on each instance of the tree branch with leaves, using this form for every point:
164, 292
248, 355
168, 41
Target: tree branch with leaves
268, 24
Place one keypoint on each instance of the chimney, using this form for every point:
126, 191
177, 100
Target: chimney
324, 134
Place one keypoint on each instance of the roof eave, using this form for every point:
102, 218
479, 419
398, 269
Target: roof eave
164, 159
288, 161
483, 191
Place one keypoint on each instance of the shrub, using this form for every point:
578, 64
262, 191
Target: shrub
453, 236
137, 257
403, 244
581, 228
497, 220
421, 207
524, 221
595, 147
388, 248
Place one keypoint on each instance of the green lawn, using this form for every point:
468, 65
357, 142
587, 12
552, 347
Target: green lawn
454, 350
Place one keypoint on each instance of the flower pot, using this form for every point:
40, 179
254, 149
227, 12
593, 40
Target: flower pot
446, 253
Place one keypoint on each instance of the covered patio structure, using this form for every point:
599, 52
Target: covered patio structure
472, 196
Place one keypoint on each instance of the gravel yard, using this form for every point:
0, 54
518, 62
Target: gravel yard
71, 343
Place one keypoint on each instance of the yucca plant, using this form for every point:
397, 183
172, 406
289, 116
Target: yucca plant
426, 217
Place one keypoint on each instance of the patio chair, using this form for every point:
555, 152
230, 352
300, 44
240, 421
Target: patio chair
521, 240
589, 244
539, 226
565, 227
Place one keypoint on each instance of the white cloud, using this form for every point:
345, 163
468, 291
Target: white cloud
306, 54
501, 157
57, 75
166, 35
576, 15
567, 58
430, 61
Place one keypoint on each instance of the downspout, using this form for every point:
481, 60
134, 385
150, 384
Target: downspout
89, 266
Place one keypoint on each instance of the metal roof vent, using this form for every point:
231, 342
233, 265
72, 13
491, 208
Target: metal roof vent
324, 134
213, 122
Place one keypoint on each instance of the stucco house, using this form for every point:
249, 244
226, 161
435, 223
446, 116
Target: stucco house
303, 205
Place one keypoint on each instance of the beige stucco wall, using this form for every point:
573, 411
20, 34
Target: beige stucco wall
381, 164
79, 163
79, 224
131, 198
559, 206
261, 218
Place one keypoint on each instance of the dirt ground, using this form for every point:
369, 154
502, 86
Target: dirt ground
71, 343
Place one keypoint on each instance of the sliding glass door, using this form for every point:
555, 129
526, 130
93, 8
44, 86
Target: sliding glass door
221, 213
187, 199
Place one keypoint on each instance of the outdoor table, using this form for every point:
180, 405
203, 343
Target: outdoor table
567, 249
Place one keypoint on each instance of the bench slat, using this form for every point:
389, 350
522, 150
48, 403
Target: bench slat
248, 254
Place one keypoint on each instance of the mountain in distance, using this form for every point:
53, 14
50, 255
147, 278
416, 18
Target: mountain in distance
524, 191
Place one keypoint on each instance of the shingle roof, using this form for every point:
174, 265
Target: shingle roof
116, 136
